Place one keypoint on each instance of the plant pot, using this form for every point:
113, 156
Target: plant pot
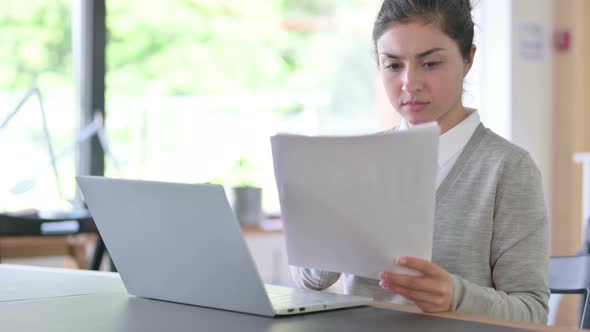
248, 205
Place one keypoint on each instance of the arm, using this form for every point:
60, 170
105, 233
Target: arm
519, 255
313, 278
519, 259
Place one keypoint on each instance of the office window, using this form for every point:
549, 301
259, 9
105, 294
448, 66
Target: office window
195, 87
35, 51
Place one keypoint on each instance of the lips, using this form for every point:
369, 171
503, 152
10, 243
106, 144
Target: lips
415, 106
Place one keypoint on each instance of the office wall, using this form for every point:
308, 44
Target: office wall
493, 41
532, 86
570, 122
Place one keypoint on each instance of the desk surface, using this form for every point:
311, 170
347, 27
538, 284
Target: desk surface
23, 282
64, 300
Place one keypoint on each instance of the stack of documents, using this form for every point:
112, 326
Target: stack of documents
353, 204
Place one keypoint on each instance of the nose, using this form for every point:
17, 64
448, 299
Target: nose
412, 81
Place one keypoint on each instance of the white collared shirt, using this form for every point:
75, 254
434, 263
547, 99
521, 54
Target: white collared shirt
452, 142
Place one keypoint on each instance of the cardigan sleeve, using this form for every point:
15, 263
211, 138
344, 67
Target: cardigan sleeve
519, 252
313, 278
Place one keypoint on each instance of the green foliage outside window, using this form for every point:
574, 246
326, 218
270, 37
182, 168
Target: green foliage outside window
171, 48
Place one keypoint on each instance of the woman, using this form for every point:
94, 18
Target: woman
490, 245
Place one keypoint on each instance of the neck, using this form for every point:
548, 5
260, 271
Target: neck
451, 119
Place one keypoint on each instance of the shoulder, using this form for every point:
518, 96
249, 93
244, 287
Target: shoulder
500, 149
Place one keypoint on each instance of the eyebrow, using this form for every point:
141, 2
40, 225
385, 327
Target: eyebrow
419, 55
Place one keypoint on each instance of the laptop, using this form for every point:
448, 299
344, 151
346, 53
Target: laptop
181, 243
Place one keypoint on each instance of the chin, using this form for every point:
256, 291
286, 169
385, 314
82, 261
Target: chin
417, 119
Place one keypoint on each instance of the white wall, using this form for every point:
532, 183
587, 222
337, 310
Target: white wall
493, 37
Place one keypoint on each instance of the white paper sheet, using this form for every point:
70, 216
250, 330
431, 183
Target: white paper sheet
353, 204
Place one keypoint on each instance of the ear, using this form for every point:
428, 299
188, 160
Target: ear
469, 62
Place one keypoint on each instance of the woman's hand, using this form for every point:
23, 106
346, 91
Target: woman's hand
432, 291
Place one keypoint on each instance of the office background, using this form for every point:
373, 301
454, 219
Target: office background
191, 90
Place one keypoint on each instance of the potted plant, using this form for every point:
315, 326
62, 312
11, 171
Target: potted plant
246, 192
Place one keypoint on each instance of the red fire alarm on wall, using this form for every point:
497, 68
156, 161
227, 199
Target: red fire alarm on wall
562, 40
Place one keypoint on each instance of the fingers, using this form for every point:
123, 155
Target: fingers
417, 283
420, 265
431, 292
412, 295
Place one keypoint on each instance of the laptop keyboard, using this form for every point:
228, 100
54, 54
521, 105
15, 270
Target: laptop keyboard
285, 297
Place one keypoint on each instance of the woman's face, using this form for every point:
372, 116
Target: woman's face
422, 70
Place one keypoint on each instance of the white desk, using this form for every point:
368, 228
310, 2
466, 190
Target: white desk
42, 299
23, 282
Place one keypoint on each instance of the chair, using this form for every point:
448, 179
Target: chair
570, 275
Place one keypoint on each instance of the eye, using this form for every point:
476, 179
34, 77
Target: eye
393, 66
431, 64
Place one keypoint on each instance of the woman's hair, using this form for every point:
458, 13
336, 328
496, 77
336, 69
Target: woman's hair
452, 16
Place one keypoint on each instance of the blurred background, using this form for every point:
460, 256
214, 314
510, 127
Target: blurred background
191, 90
